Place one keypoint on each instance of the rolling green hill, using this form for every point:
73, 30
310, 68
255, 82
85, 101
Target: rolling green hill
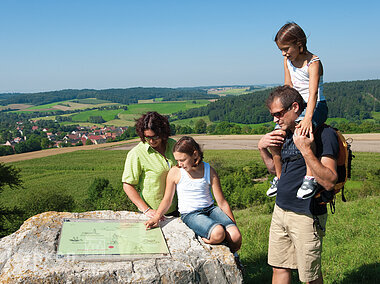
354, 100
123, 96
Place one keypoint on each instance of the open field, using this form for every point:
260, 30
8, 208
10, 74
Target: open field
164, 107
62, 105
369, 142
16, 106
361, 142
191, 121
117, 117
106, 114
229, 91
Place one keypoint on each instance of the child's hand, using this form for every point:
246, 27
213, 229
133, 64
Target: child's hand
152, 223
305, 127
302, 142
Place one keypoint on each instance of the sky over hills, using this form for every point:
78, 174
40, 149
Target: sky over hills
53, 45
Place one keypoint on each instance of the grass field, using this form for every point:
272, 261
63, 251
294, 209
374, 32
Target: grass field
191, 121
127, 117
91, 101
376, 115
230, 92
351, 246
67, 105
164, 107
106, 114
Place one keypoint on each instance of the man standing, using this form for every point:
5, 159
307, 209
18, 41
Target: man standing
297, 228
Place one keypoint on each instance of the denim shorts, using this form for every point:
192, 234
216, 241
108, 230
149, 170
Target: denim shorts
203, 221
319, 115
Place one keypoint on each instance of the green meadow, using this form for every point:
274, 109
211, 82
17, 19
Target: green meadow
46, 106
126, 117
351, 246
230, 92
165, 107
191, 121
107, 115
91, 101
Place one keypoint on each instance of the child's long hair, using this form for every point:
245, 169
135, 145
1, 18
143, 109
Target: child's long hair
188, 145
292, 33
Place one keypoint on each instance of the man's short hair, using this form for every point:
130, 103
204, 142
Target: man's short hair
287, 96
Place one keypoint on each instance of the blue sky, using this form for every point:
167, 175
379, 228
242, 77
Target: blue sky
76, 44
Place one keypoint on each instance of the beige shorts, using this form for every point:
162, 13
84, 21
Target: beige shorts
296, 243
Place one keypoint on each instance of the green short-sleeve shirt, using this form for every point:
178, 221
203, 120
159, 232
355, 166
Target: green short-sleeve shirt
147, 168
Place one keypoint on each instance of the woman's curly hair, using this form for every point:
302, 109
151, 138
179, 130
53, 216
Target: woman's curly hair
154, 121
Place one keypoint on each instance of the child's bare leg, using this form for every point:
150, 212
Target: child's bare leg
218, 234
233, 238
276, 156
277, 162
308, 170
309, 184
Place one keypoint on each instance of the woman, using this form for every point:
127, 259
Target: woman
148, 163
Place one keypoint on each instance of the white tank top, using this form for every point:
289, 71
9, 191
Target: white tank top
300, 80
194, 194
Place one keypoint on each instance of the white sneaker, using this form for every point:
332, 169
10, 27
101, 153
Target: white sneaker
307, 189
272, 191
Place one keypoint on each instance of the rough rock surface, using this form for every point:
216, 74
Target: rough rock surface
29, 256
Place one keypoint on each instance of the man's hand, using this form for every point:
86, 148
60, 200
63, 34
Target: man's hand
272, 139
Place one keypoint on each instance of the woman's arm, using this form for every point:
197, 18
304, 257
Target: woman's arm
218, 194
135, 197
171, 181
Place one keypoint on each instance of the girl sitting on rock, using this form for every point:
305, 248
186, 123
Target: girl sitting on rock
194, 180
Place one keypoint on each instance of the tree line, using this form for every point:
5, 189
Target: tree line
122, 96
227, 128
351, 100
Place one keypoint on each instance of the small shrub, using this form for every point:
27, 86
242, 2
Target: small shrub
102, 196
46, 200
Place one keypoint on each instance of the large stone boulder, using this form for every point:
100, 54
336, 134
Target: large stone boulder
30, 256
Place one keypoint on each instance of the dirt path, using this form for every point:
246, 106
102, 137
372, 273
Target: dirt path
361, 143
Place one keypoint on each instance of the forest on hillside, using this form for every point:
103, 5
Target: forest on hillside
122, 96
353, 100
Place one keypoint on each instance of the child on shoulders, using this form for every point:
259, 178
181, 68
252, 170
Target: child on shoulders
303, 72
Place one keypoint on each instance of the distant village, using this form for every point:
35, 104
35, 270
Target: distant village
82, 135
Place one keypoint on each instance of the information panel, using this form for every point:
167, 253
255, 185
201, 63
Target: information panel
85, 237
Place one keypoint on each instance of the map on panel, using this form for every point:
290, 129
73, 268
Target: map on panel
110, 237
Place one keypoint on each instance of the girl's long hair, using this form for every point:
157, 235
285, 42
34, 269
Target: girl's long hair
188, 145
292, 33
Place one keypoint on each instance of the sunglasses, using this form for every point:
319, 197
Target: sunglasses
154, 138
282, 112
